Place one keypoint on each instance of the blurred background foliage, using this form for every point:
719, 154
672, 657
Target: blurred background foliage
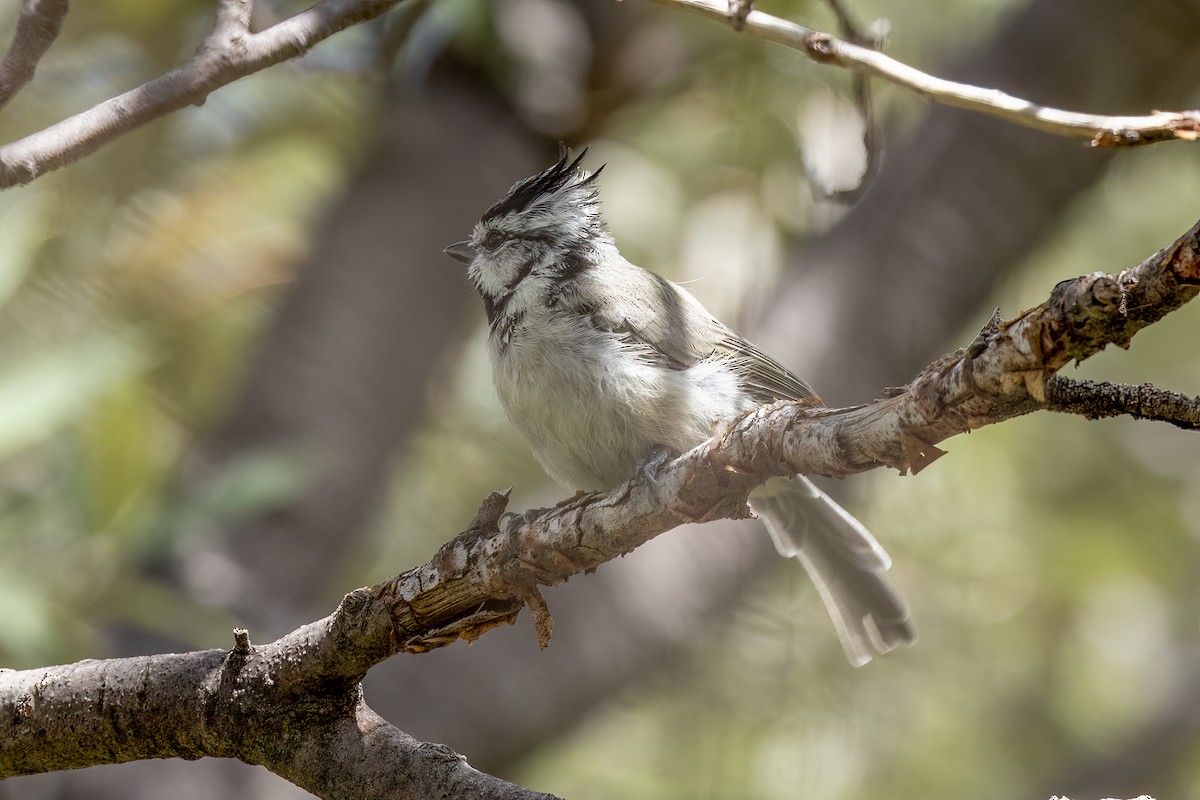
1051, 563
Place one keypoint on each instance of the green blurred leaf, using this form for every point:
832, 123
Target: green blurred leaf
22, 230
40, 392
27, 622
263, 479
126, 448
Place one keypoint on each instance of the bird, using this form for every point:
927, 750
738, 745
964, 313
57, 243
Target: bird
603, 366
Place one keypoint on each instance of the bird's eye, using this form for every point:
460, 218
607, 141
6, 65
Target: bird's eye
493, 240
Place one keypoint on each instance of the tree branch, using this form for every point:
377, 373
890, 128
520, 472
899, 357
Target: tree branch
860, 91
295, 705
1095, 400
484, 576
232, 51
279, 705
823, 48
229, 52
38, 25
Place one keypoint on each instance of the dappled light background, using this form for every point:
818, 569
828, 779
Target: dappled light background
238, 378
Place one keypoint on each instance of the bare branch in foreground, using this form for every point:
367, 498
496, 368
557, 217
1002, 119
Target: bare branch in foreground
294, 706
1102, 131
38, 25
229, 52
273, 705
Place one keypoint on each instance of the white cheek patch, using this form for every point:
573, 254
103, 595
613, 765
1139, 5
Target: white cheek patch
487, 277
507, 270
528, 294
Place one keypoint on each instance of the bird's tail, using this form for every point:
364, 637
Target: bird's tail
844, 561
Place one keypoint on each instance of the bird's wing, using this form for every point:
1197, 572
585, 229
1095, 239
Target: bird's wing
764, 378
670, 327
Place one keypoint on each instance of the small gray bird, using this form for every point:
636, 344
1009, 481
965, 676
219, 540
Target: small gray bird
600, 365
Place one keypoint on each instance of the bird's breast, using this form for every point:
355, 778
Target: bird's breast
592, 407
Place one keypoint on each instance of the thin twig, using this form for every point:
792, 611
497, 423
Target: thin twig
1096, 400
861, 91
1102, 131
230, 52
850, 30
38, 25
397, 35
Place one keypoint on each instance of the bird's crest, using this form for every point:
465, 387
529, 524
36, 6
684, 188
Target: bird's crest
562, 191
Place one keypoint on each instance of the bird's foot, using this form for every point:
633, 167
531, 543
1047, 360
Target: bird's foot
514, 519
656, 461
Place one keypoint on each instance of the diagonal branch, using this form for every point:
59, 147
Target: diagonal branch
38, 25
294, 705
1103, 131
229, 52
484, 576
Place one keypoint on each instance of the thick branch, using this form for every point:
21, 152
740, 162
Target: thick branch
374, 759
1103, 131
38, 25
230, 52
263, 705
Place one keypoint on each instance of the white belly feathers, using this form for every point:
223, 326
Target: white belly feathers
572, 391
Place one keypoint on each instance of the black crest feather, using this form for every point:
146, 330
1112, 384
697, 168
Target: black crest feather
554, 178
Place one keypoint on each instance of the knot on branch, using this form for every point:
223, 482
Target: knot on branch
440, 752
820, 47
1183, 126
487, 518
1082, 316
738, 11
1183, 258
241, 642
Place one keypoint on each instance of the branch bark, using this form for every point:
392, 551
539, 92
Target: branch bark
1096, 400
281, 705
823, 48
295, 705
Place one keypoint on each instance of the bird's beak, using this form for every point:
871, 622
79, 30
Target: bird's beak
461, 251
